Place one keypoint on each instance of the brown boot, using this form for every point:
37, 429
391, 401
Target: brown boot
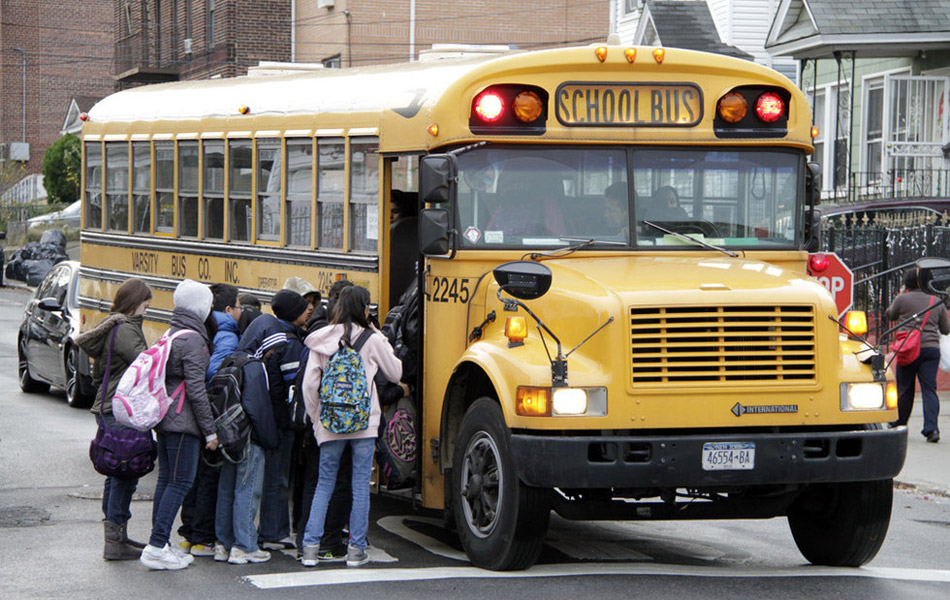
115, 546
128, 541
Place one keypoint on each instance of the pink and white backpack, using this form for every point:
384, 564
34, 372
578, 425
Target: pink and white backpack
140, 399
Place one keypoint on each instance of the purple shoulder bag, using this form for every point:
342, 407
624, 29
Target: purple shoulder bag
121, 453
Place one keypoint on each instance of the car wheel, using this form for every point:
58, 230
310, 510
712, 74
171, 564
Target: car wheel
842, 524
501, 522
27, 383
74, 392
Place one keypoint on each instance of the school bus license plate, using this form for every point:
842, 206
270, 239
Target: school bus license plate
584, 104
728, 456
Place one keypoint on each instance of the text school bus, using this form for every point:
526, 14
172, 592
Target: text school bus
611, 246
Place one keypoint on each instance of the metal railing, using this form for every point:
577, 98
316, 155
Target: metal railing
867, 186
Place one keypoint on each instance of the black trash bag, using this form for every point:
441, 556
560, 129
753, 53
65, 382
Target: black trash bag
54, 237
36, 270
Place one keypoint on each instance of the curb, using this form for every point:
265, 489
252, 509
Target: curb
924, 489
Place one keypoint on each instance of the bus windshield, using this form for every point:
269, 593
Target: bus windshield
543, 197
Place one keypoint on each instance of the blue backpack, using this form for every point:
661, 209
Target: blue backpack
345, 400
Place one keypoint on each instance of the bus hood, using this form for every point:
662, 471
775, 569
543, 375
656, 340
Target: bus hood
681, 280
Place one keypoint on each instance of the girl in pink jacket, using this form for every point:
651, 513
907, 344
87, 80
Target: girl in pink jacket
349, 321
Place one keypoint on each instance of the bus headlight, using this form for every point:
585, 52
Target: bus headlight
862, 396
570, 401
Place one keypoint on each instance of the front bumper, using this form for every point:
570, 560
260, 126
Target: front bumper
675, 461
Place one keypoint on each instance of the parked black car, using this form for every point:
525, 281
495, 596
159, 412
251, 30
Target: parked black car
45, 343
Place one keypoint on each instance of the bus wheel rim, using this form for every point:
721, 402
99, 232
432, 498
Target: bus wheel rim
481, 485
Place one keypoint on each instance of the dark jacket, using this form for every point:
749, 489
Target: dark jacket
129, 342
910, 302
278, 344
225, 341
255, 399
188, 362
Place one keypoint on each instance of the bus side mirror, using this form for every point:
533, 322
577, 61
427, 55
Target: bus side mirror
438, 179
933, 275
523, 279
812, 184
434, 231
812, 233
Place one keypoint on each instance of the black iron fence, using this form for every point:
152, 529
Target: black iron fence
878, 255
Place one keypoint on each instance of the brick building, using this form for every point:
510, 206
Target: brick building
61, 50
355, 33
168, 40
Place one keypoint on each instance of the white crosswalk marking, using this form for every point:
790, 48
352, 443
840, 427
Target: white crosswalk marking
369, 575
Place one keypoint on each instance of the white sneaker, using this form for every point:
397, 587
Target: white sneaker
202, 550
240, 557
180, 553
161, 559
221, 553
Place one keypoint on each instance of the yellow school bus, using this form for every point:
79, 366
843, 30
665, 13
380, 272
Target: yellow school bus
610, 244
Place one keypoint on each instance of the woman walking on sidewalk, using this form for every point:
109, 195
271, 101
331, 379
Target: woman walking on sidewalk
909, 302
124, 327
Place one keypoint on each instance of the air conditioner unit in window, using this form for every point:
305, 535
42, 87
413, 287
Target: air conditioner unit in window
325, 3
187, 45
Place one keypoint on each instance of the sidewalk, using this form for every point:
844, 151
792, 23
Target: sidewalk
927, 467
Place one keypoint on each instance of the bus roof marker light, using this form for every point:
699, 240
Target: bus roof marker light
244, 109
815, 131
733, 107
527, 107
83, 116
658, 55
630, 54
818, 263
489, 106
769, 107
601, 53
433, 129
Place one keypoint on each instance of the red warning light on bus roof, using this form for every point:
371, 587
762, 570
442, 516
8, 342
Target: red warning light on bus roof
769, 107
489, 106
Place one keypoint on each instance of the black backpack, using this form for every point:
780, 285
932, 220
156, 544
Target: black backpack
230, 421
299, 419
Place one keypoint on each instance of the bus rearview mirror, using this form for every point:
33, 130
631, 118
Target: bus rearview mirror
933, 275
434, 231
438, 177
812, 184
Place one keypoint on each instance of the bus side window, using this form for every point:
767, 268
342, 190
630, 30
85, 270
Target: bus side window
213, 190
239, 190
165, 187
268, 189
188, 189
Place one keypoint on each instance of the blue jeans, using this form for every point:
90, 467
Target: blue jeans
116, 493
924, 370
239, 494
330, 452
177, 464
275, 495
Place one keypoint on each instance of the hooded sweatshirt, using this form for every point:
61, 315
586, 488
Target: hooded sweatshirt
377, 355
129, 342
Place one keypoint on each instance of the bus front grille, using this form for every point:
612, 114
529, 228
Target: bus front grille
723, 344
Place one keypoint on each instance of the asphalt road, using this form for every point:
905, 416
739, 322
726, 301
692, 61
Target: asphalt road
51, 539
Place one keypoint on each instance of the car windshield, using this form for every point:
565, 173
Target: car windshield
543, 198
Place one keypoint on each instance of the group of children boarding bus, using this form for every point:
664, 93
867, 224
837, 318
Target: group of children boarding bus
331, 364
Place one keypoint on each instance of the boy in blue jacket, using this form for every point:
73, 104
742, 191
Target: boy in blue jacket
239, 485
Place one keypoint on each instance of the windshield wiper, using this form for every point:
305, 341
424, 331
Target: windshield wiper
582, 243
684, 237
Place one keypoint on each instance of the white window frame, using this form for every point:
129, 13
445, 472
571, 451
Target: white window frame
867, 81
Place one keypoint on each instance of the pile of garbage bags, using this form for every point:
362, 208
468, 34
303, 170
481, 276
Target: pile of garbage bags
32, 262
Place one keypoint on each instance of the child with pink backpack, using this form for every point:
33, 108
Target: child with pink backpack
187, 423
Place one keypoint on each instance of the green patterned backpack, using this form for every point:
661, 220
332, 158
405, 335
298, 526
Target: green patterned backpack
345, 400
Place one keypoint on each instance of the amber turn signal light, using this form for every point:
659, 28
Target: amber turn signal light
533, 401
516, 329
658, 55
890, 395
601, 53
856, 321
630, 54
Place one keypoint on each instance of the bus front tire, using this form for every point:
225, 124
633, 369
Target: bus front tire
842, 524
501, 522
